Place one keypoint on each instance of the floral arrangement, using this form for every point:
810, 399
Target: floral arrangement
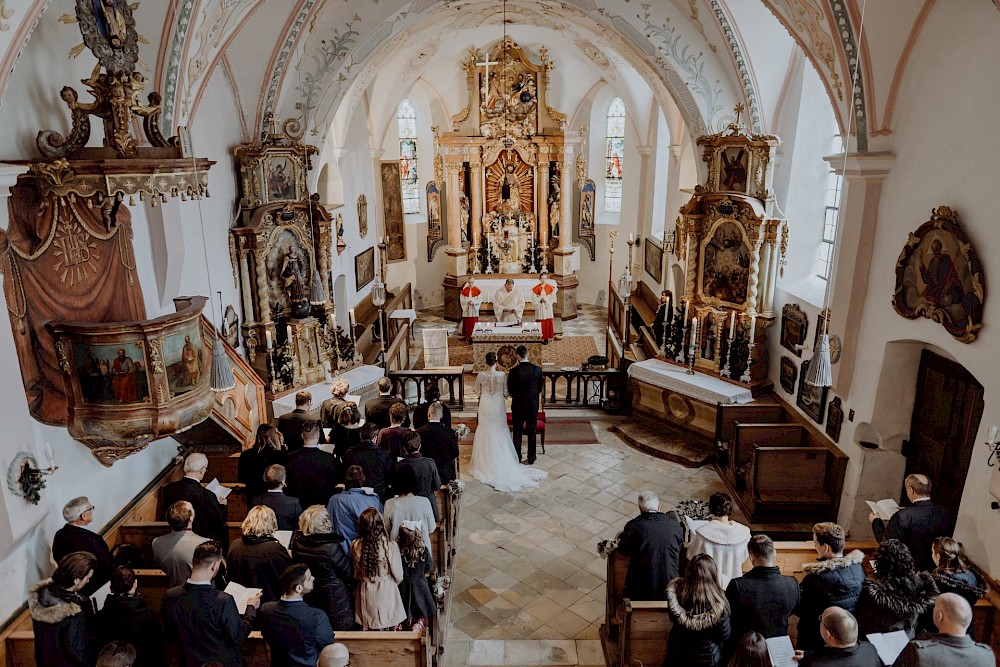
440, 588
461, 430
605, 547
695, 509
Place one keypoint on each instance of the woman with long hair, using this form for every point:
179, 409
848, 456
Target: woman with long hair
316, 545
414, 589
257, 559
896, 594
378, 569
267, 450
699, 610
952, 575
751, 651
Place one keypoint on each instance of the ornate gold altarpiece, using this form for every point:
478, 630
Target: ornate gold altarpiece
505, 150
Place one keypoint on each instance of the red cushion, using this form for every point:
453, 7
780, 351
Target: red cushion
539, 425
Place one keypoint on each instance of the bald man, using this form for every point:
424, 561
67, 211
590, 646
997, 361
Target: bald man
952, 646
917, 525
839, 630
334, 655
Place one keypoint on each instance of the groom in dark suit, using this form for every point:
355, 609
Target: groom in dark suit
524, 385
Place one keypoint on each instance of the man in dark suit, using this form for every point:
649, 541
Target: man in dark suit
75, 536
377, 409
839, 630
290, 424
286, 508
524, 384
312, 473
392, 438
653, 542
916, 526
431, 395
209, 510
376, 462
439, 443
295, 632
763, 598
204, 621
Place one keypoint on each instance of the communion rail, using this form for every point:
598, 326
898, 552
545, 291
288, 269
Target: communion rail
578, 388
452, 394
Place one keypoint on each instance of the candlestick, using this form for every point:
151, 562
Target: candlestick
630, 238
753, 328
687, 304
746, 372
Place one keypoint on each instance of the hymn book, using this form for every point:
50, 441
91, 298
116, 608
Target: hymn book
884, 508
780, 651
220, 491
241, 594
889, 644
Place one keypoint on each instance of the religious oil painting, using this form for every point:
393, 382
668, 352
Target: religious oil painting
363, 215
652, 259
834, 419
392, 207
726, 268
184, 360
280, 178
794, 326
734, 169
788, 374
113, 374
811, 399
364, 268
435, 231
939, 276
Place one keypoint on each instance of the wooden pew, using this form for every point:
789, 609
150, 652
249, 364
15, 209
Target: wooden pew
645, 627
223, 466
141, 534
761, 411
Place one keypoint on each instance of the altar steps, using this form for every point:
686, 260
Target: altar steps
665, 441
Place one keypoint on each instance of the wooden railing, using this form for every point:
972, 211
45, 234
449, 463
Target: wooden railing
451, 375
578, 388
617, 310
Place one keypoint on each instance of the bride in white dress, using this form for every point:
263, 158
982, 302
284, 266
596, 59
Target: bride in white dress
494, 460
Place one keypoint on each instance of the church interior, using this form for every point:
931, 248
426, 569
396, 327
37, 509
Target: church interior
741, 238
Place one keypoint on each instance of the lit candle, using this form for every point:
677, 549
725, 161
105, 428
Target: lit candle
288, 329
753, 327
267, 335
694, 337
992, 438
687, 304
630, 238
350, 316
732, 324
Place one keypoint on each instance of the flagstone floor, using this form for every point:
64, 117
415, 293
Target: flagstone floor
529, 586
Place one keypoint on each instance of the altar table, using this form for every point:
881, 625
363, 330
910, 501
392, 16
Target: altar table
503, 340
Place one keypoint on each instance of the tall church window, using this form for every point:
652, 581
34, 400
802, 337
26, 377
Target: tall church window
834, 184
406, 121
614, 157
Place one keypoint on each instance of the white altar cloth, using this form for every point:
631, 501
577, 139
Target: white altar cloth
703, 387
362, 379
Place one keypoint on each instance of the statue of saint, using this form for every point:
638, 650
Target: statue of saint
510, 190
293, 272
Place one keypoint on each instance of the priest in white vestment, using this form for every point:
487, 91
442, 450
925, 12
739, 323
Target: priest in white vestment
544, 297
508, 303
471, 297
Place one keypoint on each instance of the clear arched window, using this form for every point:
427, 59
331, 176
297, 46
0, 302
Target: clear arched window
406, 121
834, 184
614, 158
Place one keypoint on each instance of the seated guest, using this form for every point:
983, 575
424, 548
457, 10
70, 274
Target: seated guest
209, 510
376, 463
345, 508
896, 594
653, 543
391, 438
377, 409
312, 473
378, 569
722, 538
916, 526
408, 506
204, 621
414, 589
174, 551
117, 654
952, 575
335, 655
763, 598
60, 614
268, 449
833, 581
290, 424
75, 536
440, 443
294, 631
841, 647
952, 644
347, 434
424, 470
257, 559
286, 508
330, 410
751, 651
126, 617
316, 545
699, 611
432, 394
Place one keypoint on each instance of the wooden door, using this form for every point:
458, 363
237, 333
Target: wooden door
946, 415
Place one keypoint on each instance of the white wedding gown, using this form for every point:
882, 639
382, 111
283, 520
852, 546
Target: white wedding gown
494, 459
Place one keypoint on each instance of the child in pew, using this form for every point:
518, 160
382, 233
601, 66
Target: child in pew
414, 589
378, 569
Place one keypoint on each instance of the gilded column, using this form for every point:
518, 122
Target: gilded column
458, 260
754, 278
543, 203
263, 307
476, 203
566, 199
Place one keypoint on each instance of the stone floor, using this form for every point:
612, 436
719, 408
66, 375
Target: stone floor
529, 586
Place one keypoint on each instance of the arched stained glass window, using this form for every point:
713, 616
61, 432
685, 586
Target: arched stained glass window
614, 158
406, 121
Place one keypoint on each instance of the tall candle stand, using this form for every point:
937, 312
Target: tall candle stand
680, 353
693, 346
725, 372
745, 378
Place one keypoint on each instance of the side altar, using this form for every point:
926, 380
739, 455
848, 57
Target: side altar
503, 339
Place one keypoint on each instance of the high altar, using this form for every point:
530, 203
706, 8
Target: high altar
508, 158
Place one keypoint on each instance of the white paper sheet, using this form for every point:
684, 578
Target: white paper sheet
101, 595
284, 537
780, 650
884, 508
220, 491
241, 595
889, 644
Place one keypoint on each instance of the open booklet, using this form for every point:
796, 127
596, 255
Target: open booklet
284, 537
220, 491
889, 644
241, 594
780, 651
884, 508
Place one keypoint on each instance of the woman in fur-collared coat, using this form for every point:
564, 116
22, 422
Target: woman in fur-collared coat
896, 595
699, 610
61, 617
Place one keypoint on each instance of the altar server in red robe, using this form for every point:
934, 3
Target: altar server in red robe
471, 298
544, 296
